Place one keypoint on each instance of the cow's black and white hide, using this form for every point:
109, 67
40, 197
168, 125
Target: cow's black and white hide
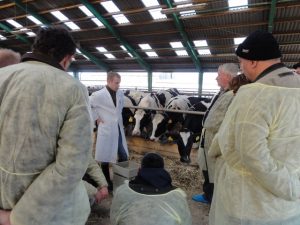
134, 95
167, 121
143, 117
127, 114
190, 132
160, 119
131, 98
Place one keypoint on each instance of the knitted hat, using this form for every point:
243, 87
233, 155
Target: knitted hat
296, 65
152, 160
260, 45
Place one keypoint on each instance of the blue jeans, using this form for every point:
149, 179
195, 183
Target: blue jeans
121, 150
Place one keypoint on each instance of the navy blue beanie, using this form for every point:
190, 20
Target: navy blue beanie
152, 160
259, 45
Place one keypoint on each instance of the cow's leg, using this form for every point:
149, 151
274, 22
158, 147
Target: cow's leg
188, 148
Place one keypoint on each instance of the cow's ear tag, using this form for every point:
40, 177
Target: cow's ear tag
170, 138
197, 138
170, 121
130, 119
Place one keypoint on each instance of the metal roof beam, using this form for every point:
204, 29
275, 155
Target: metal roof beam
94, 59
20, 37
115, 33
26, 9
192, 53
272, 16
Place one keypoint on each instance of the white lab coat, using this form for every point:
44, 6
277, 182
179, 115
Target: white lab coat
108, 135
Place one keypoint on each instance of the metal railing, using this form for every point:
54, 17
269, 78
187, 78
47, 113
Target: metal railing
166, 110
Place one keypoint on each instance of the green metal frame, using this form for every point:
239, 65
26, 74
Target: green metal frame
187, 43
116, 34
249, 6
200, 83
149, 81
26, 9
20, 37
76, 74
192, 53
272, 16
94, 59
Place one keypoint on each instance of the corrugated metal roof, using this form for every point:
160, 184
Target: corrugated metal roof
214, 23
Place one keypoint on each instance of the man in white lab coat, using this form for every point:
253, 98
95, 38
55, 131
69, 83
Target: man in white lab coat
107, 105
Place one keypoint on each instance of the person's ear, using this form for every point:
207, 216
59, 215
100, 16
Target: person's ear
254, 64
66, 61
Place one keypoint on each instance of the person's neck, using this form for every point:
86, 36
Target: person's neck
224, 89
109, 88
263, 65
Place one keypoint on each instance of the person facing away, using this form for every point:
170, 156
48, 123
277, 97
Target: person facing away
107, 105
45, 136
257, 146
211, 123
150, 198
8, 57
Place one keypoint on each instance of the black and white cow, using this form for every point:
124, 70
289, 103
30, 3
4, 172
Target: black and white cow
162, 121
144, 117
190, 131
131, 98
135, 96
164, 97
166, 121
127, 114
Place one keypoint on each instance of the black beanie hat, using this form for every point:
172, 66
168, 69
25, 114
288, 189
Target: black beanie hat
296, 65
152, 160
260, 45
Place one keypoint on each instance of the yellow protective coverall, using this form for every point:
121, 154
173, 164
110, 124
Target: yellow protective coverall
45, 142
132, 208
258, 159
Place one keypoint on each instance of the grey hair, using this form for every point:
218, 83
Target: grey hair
8, 57
229, 68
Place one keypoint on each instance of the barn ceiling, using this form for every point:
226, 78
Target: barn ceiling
212, 22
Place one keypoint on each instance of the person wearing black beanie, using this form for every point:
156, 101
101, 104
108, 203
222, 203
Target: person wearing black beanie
259, 55
256, 149
150, 198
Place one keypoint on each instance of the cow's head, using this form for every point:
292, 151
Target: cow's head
184, 140
159, 125
142, 118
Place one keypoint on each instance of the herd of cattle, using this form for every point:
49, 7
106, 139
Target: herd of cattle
159, 125
163, 126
